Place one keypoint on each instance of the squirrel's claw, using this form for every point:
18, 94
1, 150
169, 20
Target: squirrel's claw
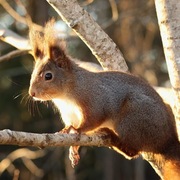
69, 129
74, 155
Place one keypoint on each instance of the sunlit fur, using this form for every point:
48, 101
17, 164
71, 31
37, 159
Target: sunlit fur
70, 111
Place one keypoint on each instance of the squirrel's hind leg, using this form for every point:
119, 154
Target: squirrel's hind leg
118, 145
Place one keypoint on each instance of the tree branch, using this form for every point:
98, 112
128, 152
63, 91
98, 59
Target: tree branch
14, 39
13, 54
101, 45
9, 137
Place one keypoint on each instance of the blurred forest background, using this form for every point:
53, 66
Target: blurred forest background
132, 24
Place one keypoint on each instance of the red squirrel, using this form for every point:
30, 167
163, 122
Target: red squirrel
120, 104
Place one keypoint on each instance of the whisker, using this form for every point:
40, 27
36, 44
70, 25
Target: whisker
33, 107
15, 83
17, 96
37, 109
25, 98
30, 105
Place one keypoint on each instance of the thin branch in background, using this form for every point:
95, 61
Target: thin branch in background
114, 8
30, 165
87, 2
14, 39
12, 12
25, 20
16, 174
28, 17
11, 168
13, 54
23, 152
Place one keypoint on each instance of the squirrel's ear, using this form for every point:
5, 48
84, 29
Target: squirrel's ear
56, 52
38, 54
58, 55
36, 41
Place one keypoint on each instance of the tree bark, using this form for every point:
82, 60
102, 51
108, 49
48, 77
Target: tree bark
101, 45
57, 139
168, 13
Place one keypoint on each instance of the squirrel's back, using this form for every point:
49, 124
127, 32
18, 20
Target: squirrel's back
129, 106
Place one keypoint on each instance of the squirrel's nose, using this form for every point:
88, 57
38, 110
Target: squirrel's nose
32, 93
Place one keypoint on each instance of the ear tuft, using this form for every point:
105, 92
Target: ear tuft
38, 53
47, 44
59, 56
55, 52
36, 41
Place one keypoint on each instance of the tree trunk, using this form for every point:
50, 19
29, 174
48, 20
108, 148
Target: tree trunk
168, 12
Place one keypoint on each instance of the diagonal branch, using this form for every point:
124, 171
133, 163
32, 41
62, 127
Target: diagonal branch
101, 45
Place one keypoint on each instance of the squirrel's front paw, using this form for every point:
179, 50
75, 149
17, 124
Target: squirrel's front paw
73, 150
74, 155
69, 129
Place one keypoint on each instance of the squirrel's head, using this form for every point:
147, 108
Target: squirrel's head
52, 65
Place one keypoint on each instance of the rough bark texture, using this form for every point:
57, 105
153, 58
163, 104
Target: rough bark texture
58, 139
168, 12
101, 45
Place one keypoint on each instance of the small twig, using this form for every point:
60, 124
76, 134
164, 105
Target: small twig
13, 54
114, 8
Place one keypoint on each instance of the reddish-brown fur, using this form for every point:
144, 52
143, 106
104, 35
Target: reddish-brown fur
120, 104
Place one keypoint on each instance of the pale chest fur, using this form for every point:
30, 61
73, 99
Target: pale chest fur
71, 113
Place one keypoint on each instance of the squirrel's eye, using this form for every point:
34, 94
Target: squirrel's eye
48, 76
